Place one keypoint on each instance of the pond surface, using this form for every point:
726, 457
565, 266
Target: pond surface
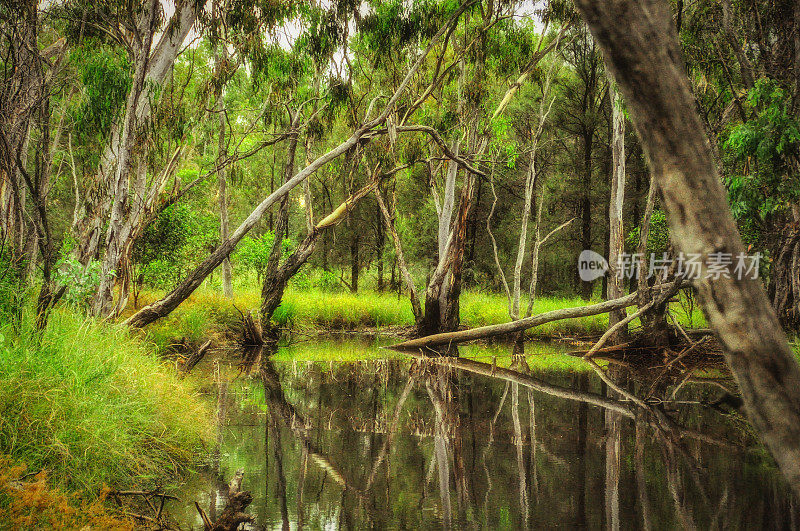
406, 444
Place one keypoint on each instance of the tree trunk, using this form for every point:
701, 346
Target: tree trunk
586, 207
401, 261
379, 243
355, 264
642, 52
222, 181
616, 231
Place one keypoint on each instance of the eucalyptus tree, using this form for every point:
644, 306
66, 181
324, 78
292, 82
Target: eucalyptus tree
641, 49
364, 130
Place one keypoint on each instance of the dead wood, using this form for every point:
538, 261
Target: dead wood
195, 358
233, 515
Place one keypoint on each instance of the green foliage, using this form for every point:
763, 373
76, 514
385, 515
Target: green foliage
105, 73
93, 405
12, 294
253, 252
80, 281
175, 239
763, 183
657, 237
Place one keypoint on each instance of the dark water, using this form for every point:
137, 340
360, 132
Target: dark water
402, 445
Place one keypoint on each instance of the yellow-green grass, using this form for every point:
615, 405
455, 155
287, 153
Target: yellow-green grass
92, 405
207, 313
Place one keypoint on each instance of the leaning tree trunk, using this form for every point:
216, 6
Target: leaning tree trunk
641, 50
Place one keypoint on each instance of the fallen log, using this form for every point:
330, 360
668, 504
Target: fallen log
483, 332
195, 358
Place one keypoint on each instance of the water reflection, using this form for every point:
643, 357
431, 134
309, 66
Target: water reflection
457, 443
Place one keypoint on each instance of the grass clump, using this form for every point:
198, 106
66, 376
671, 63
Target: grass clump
93, 405
345, 310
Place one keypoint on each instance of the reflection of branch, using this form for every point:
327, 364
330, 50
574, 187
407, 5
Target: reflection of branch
500, 373
656, 418
297, 425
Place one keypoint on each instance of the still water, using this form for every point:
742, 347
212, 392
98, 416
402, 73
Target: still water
405, 444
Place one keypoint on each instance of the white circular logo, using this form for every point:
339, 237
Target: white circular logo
591, 265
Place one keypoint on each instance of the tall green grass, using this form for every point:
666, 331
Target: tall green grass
93, 405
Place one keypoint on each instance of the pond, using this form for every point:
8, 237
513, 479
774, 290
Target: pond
399, 443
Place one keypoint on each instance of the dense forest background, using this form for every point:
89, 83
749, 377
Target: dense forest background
138, 136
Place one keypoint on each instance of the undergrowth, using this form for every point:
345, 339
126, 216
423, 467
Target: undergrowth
93, 405
32, 503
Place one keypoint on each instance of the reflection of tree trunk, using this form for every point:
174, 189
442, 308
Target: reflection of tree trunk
294, 421
301, 482
534, 486
222, 413
677, 492
580, 451
390, 431
519, 445
613, 453
485, 455
441, 393
280, 476
641, 478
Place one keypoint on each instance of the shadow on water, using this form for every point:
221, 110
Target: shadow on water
460, 443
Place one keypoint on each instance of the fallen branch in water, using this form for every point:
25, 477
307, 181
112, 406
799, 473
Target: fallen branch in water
195, 358
644, 309
483, 332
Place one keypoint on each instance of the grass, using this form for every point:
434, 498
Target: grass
93, 405
207, 313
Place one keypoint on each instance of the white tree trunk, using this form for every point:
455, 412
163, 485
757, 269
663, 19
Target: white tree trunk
616, 231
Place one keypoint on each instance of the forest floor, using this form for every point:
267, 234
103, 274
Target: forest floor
209, 315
